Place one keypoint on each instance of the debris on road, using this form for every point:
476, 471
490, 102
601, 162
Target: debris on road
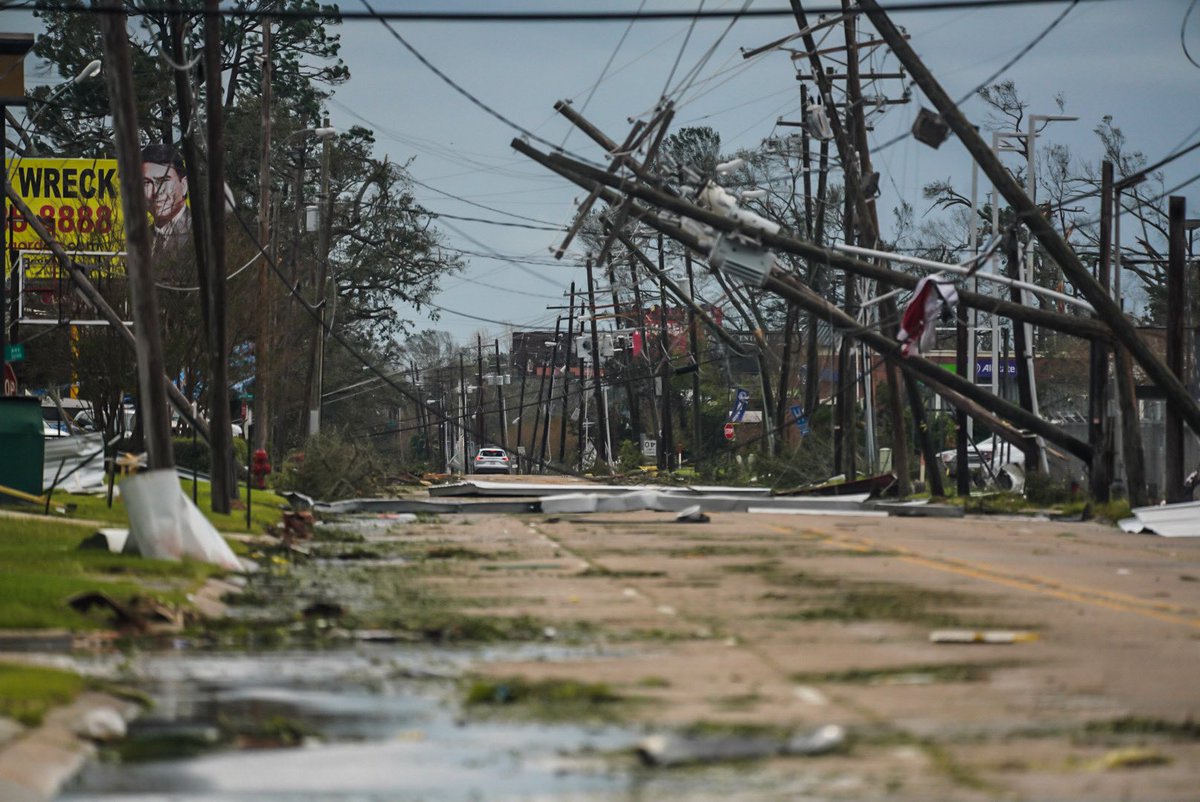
1165, 520
692, 515
981, 636
666, 750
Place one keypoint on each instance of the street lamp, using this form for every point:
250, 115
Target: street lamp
90, 70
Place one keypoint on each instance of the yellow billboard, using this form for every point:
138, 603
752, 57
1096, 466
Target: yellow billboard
79, 203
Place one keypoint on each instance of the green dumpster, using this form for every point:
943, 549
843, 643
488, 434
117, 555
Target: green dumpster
22, 445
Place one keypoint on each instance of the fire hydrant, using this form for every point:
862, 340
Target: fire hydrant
260, 466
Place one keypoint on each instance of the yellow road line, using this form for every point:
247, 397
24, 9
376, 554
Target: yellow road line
1113, 601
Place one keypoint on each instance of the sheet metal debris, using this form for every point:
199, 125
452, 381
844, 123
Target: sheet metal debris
1165, 520
683, 749
670, 501
77, 461
536, 489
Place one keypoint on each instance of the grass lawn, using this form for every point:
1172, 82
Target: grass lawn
265, 508
27, 692
41, 566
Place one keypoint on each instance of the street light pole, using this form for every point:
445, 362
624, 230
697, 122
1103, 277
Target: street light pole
90, 70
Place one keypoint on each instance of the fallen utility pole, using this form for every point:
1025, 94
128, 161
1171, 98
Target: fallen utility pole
142, 296
587, 178
1056, 247
1086, 328
94, 299
792, 289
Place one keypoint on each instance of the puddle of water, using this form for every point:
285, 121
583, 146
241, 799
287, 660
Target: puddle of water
383, 734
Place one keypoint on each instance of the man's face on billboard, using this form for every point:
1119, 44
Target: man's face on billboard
166, 191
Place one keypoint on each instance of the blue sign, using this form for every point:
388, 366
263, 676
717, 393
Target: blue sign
983, 367
801, 421
740, 402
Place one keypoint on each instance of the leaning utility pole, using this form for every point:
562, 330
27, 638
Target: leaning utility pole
1055, 246
262, 346
143, 300
224, 487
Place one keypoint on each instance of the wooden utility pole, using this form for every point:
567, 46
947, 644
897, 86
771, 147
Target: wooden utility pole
549, 398
562, 426
627, 367
933, 466
597, 391
962, 470
521, 411
1176, 299
1099, 472
143, 299
694, 345
581, 428
501, 415
480, 420
462, 410
1023, 350
667, 441
262, 346
324, 231
224, 487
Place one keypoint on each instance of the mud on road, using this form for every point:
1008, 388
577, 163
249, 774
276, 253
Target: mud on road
759, 623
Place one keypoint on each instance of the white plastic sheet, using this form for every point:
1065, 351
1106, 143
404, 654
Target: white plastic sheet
164, 523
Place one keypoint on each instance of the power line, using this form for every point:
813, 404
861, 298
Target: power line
451, 82
154, 9
437, 215
1019, 55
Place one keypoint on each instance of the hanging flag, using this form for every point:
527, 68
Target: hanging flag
918, 326
801, 420
740, 401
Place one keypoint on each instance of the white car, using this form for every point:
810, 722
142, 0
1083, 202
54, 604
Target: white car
492, 460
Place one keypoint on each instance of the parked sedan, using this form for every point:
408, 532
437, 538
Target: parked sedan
492, 460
